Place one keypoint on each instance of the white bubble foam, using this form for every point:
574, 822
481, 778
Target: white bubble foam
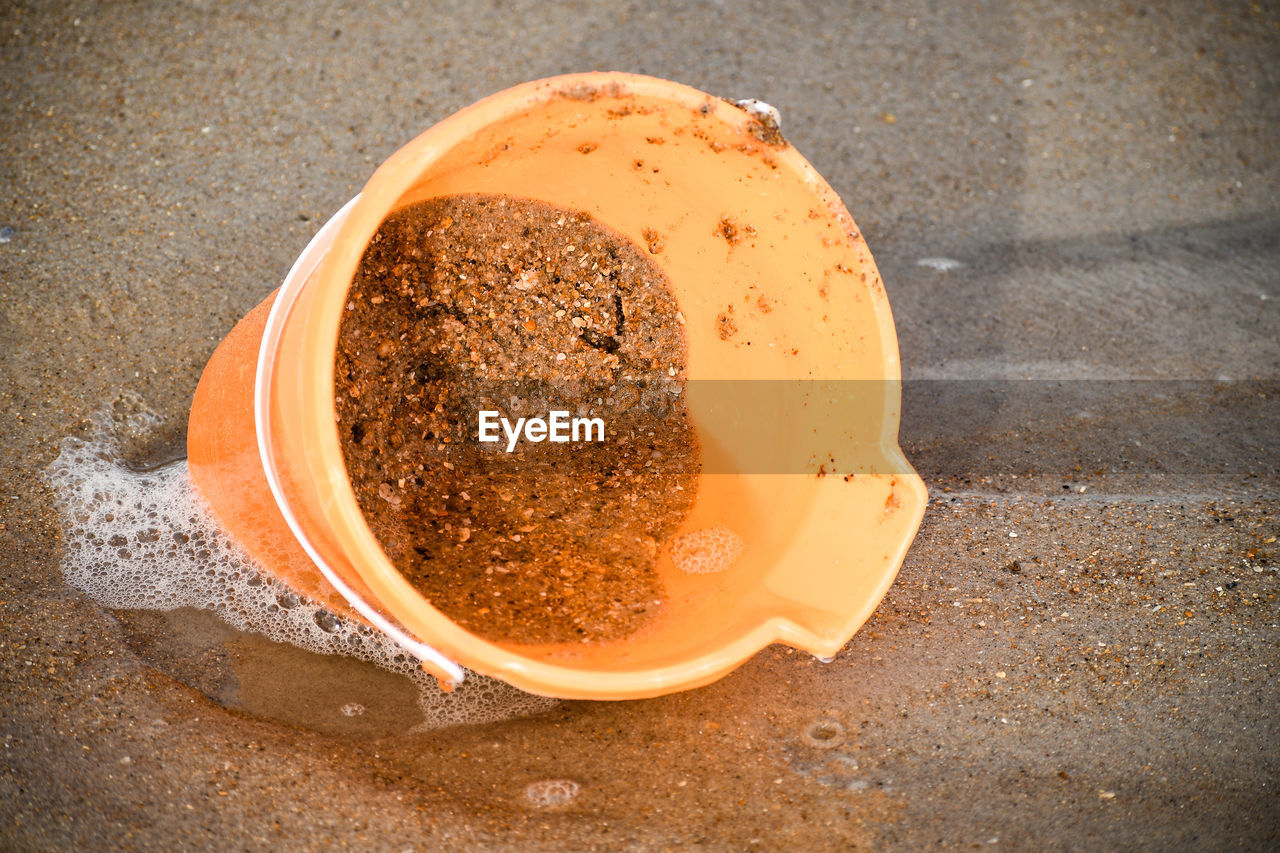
702, 552
551, 793
146, 540
940, 264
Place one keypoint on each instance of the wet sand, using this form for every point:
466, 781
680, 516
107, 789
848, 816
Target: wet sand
1078, 658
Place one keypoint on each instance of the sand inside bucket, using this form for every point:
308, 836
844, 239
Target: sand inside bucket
482, 302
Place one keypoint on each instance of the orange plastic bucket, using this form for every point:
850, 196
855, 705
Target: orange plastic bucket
642, 155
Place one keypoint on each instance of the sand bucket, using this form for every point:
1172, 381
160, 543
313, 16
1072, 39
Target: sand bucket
743, 220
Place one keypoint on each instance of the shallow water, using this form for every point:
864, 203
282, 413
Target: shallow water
141, 542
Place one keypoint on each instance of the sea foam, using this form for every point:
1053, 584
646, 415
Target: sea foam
145, 540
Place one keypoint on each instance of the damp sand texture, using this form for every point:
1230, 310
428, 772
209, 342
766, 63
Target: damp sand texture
471, 302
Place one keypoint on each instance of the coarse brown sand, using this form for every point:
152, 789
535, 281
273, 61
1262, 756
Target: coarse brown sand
480, 303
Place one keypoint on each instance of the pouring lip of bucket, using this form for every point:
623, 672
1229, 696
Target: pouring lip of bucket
329, 263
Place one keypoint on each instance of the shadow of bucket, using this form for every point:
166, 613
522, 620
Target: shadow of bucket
738, 212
